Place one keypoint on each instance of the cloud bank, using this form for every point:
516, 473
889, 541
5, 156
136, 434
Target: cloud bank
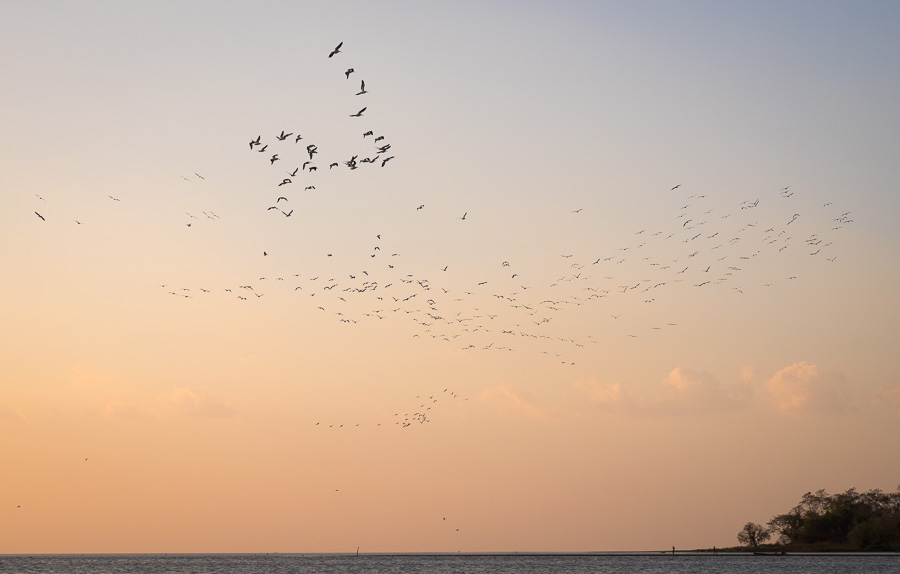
798, 389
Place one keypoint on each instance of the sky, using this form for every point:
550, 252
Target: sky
627, 281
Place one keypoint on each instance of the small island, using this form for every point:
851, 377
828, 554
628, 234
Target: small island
850, 521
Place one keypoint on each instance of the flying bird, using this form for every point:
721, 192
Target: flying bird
348, 72
39, 215
358, 114
362, 89
337, 50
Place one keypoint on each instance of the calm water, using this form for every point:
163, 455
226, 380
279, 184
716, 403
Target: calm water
438, 564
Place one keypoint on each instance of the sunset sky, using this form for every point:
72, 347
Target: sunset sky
628, 281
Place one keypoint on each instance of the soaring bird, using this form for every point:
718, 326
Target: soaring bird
385, 160
274, 159
298, 138
337, 50
358, 114
362, 89
254, 142
283, 136
348, 72
39, 215
368, 133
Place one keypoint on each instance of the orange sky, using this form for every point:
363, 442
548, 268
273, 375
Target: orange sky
668, 311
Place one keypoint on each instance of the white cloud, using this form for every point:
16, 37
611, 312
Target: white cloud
802, 388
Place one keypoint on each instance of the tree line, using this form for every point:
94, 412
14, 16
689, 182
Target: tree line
848, 520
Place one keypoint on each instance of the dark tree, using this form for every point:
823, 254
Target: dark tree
753, 535
848, 520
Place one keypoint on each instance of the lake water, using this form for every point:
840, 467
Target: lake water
448, 563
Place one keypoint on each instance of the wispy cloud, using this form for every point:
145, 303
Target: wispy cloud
118, 409
511, 401
683, 391
192, 403
10, 415
890, 397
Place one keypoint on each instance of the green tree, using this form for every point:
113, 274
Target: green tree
753, 535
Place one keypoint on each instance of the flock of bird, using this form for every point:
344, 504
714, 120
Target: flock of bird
703, 243
417, 415
377, 154
701, 247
